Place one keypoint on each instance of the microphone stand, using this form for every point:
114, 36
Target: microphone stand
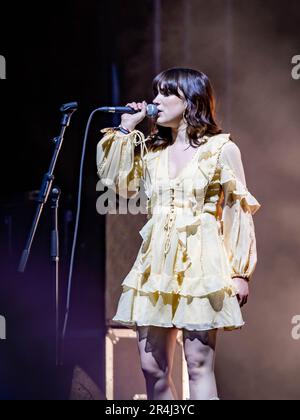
54, 247
67, 110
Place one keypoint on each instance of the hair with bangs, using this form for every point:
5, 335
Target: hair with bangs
199, 113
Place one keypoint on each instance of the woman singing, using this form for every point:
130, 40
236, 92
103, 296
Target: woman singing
199, 249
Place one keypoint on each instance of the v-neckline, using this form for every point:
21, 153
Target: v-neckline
183, 168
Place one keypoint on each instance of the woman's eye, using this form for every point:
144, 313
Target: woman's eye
164, 93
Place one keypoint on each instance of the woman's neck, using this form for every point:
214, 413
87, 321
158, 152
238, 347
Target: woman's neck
179, 134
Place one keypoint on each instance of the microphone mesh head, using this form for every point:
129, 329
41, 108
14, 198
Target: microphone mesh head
152, 110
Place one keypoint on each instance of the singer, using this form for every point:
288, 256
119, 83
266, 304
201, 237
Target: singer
198, 251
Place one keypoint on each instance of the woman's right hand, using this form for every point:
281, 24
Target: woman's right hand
129, 121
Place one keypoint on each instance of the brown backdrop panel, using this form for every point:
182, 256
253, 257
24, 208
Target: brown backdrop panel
122, 241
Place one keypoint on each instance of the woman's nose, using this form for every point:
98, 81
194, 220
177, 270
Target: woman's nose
156, 101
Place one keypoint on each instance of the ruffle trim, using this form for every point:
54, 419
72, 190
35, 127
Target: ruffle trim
162, 284
142, 279
209, 156
182, 224
218, 310
239, 190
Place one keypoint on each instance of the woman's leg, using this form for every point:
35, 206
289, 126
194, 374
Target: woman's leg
199, 349
156, 348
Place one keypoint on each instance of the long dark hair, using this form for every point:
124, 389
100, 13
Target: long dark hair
200, 110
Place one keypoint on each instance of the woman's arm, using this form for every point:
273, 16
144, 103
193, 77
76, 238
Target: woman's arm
117, 164
238, 227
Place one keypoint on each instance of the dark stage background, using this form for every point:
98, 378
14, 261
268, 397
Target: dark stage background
73, 51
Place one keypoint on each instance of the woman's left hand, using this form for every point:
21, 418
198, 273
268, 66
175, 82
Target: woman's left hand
242, 290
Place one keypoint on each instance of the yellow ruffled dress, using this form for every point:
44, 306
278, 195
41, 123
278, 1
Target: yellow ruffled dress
199, 232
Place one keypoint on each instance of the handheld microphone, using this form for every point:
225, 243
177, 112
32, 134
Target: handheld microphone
151, 110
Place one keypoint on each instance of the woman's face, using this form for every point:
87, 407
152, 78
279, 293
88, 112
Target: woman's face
170, 109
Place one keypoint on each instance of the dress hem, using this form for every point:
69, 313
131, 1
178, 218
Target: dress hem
134, 325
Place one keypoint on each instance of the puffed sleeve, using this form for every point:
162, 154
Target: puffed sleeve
239, 207
118, 165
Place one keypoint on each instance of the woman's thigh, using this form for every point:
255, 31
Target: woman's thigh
199, 346
156, 348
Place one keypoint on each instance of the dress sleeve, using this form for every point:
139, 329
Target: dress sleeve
118, 165
239, 207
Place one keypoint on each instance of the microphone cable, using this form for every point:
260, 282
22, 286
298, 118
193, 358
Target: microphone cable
70, 276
